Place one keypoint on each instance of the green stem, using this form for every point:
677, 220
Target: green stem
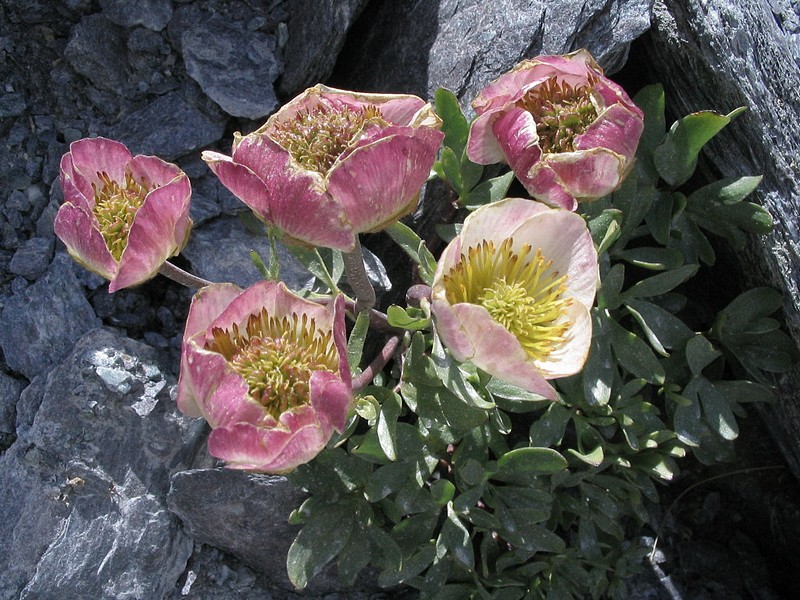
179, 275
357, 278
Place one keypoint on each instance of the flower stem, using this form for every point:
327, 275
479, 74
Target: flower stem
357, 278
179, 275
377, 364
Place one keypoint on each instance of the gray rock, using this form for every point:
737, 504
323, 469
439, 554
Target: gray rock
221, 507
32, 258
462, 45
316, 32
10, 390
153, 14
82, 490
43, 322
236, 68
168, 127
220, 251
96, 49
746, 53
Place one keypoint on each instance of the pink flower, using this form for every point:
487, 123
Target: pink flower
268, 370
567, 131
123, 215
513, 292
331, 164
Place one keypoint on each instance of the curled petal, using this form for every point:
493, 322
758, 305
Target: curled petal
76, 228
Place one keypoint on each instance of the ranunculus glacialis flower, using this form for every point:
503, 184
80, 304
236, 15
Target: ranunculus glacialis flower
331, 164
268, 370
512, 293
568, 132
122, 215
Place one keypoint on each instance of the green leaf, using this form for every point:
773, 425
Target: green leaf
320, 540
676, 158
522, 463
659, 219
387, 424
662, 328
442, 491
635, 355
605, 228
611, 286
717, 410
746, 308
514, 399
598, 372
454, 125
454, 538
700, 353
406, 238
355, 345
651, 100
412, 319
730, 190
411, 566
312, 260
354, 556
488, 191
451, 168
385, 480
548, 430
661, 283
657, 259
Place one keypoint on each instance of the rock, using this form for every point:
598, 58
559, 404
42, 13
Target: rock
169, 127
10, 390
220, 251
234, 67
746, 53
316, 32
96, 49
153, 14
82, 490
45, 320
221, 507
462, 46
32, 258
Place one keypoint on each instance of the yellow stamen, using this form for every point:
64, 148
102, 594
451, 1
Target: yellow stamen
561, 112
520, 291
115, 206
317, 137
276, 357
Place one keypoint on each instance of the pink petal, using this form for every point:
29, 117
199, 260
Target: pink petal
379, 183
482, 145
158, 231
587, 174
91, 156
543, 184
241, 181
153, 170
498, 352
570, 357
298, 204
398, 109
76, 228
564, 239
498, 221
617, 129
296, 440
77, 188
337, 310
214, 390
331, 398
451, 330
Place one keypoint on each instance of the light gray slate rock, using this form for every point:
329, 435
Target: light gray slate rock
463, 45
220, 251
316, 32
170, 126
234, 67
32, 258
10, 390
152, 14
721, 56
82, 490
96, 49
43, 322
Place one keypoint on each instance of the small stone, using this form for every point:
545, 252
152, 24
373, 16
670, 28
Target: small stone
32, 258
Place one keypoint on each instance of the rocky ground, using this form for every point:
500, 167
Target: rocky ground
101, 502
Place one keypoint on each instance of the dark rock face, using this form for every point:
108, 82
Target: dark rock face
105, 490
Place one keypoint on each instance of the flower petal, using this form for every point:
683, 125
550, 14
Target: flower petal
587, 174
570, 358
75, 227
498, 220
91, 156
379, 183
617, 129
330, 398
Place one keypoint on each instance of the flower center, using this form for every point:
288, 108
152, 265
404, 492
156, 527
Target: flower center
115, 206
520, 291
317, 137
561, 112
276, 357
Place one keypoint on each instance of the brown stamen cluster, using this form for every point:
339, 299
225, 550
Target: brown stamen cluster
276, 357
318, 136
115, 206
561, 112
